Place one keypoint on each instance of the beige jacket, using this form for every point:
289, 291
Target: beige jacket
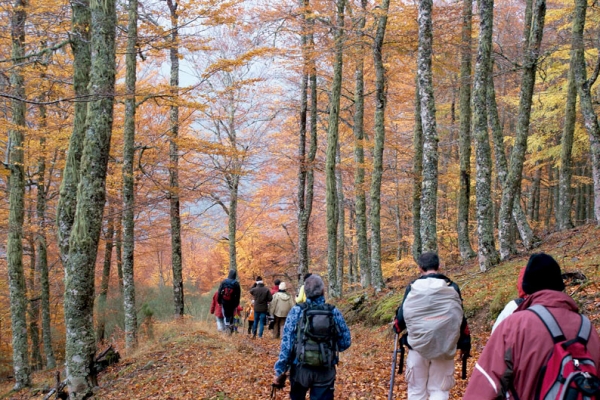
281, 304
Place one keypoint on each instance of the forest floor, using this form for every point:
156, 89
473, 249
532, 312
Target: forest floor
191, 360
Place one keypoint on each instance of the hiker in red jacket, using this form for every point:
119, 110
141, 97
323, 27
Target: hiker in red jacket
523, 340
217, 311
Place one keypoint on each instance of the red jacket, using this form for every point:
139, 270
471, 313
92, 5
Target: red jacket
530, 343
215, 307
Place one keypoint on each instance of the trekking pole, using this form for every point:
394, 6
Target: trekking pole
465, 356
401, 366
394, 357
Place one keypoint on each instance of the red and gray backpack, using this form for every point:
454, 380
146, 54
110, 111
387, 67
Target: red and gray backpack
569, 372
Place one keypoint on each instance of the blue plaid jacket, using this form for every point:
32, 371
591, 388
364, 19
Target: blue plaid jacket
289, 335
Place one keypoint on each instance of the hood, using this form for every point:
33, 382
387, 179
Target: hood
232, 274
549, 298
284, 295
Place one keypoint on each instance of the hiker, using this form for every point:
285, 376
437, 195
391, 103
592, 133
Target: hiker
229, 297
280, 307
217, 311
275, 287
512, 305
434, 332
301, 298
250, 316
262, 297
313, 334
521, 347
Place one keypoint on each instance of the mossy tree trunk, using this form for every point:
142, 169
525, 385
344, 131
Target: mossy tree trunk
105, 280
34, 307
83, 244
16, 213
417, 247
379, 128
341, 231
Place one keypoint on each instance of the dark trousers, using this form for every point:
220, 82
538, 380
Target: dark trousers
319, 381
228, 311
250, 323
279, 324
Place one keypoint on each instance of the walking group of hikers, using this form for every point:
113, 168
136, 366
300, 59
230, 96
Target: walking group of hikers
541, 347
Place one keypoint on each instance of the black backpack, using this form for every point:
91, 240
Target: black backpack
316, 336
227, 291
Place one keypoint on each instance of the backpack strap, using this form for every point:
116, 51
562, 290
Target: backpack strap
549, 321
584, 330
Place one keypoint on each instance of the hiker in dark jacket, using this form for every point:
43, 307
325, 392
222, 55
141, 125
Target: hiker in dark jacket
430, 378
319, 380
229, 296
525, 338
262, 297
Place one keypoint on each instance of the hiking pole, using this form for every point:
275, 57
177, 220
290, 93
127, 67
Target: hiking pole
401, 366
465, 356
394, 357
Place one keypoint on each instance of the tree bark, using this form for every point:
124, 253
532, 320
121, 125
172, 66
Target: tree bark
128, 181
584, 86
464, 149
380, 103
332, 140
176, 256
83, 244
119, 252
80, 44
511, 188
34, 309
359, 156
487, 254
104, 283
566, 149
341, 231
16, 214
430, 139
417, 247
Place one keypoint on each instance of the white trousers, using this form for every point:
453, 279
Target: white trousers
220, 324
428, 379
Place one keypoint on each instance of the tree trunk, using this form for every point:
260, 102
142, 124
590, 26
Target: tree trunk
417, 175
42, 250
512, 184
487, 254
566, 149
80, 43
233, 182
584, 87
176, 257
119, 252
430, 139
550, 199
359, 157
34, 309
332, 139
83, 244
464, 149
104, 283
128, 181
351, 254
380, 103
341, 231
16, 214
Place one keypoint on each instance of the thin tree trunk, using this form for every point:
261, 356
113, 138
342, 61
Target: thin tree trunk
550, 198
380, 103
176, 257
341, 231
566, 149
332, 140
417, 176
128, 184
34, 308
351, 254
104, 283
83, 244
537, 192
584, 86
16, 214
487, 254
119, 253
511, 188
41, 248
430, 139
80, 43
464, 148
359, 156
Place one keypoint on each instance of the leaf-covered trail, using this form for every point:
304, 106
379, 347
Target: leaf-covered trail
207, 365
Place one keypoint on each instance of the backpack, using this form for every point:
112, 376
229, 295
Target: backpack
227, 291
569, 373
433, 314
316, 336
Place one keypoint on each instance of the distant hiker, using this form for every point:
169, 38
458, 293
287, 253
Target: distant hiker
432, 313
512, 305
301, 298
250, 316
262, 297
280, 307
313, 334
515, 357
237, 317
217, 311
229, 297
275, 287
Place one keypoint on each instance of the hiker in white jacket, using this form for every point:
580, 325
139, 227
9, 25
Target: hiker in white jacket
280, 307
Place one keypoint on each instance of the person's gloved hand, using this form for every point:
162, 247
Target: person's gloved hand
279, 381
396, 326
465, 350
